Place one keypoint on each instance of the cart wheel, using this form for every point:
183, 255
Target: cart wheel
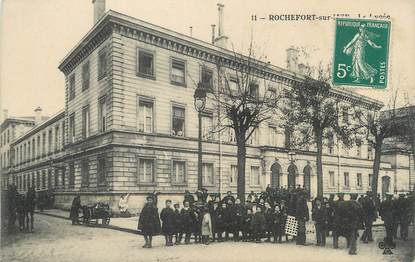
106, 220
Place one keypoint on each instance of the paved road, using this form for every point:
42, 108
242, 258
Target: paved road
56, 240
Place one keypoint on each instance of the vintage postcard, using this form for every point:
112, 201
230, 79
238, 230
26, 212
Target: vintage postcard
219, 130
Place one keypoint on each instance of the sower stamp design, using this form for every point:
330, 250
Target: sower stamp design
361, 53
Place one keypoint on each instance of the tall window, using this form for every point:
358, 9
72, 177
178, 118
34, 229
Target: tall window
253, 139
49, 179
56, 177
254, 90
359, 148
231, 135
207, 78
63, 177
331, 178
178, 121
273, 136
179, 172
145, 116
207, 126
37, 180
33, 148
50, 141
71, 87
330, 143
85, 76
102, 170
178, 72
85, 122
44, 143
39, 149
346, 179
85, 173
255, 176
370, 177
234, 175
145, 63
72, 128
207, 174
102, 63
369, 152
71, 181
359, 182
102, 114
345, 114
56, 138
146, 170
63, 134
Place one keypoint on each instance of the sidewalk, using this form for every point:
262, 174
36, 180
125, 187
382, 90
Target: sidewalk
128, 225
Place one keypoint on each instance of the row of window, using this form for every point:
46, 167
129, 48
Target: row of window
44, 143
43, 179
5, 159
346, 180
5, 138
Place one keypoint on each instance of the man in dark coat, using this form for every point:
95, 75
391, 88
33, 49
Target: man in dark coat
21, 211
301, 215
369, 216
167, 216
189, 198
337, 221
188, 220
404, 216
257, 223
386, 212
229, 218
74, 213
149, 222
30, 207
239, 214
321, 218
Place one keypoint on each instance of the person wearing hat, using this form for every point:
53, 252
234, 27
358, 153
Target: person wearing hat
149, 222
403, 210
228, 197
369, 216
188, 220
301, 215
189, 198
76, 205
354, 220
337, 226
168, 218
321, 218
386, 211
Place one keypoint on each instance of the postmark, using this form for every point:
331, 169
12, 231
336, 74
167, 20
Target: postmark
361, 52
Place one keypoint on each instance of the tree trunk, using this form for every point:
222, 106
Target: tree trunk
319, 163
241, 169
376, 166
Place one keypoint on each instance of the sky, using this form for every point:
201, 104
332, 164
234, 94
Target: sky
36, 34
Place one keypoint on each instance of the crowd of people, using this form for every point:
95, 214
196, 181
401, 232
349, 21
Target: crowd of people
208, 217
21, 208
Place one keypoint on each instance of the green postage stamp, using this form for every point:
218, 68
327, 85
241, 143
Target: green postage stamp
361, 53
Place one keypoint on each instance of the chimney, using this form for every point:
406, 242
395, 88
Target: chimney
213, 34
221, 40
38, 115
99, 9
292, 59
5, 114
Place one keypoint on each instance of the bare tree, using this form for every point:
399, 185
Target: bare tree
313, 111
244, 101
378, 125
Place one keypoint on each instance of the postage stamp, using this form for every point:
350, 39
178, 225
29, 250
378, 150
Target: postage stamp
361, 53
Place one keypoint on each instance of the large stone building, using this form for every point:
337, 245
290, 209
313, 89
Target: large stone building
129, 125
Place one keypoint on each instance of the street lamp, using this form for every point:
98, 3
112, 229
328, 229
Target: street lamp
200, 102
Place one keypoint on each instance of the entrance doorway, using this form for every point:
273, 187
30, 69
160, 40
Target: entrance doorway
307, 178
275, 175
292, 173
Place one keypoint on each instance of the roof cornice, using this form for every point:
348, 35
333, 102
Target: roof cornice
164, 38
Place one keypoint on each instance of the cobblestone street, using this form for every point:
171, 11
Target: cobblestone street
55, 239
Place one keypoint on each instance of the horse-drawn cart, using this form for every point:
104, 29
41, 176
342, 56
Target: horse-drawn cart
91, 214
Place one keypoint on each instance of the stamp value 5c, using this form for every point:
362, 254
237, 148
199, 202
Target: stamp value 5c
361, 53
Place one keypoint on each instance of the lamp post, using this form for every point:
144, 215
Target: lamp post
200, 102
291, 156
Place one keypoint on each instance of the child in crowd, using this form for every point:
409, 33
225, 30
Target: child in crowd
257, 223
177, 224
247, 229
167, 216
206, 229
